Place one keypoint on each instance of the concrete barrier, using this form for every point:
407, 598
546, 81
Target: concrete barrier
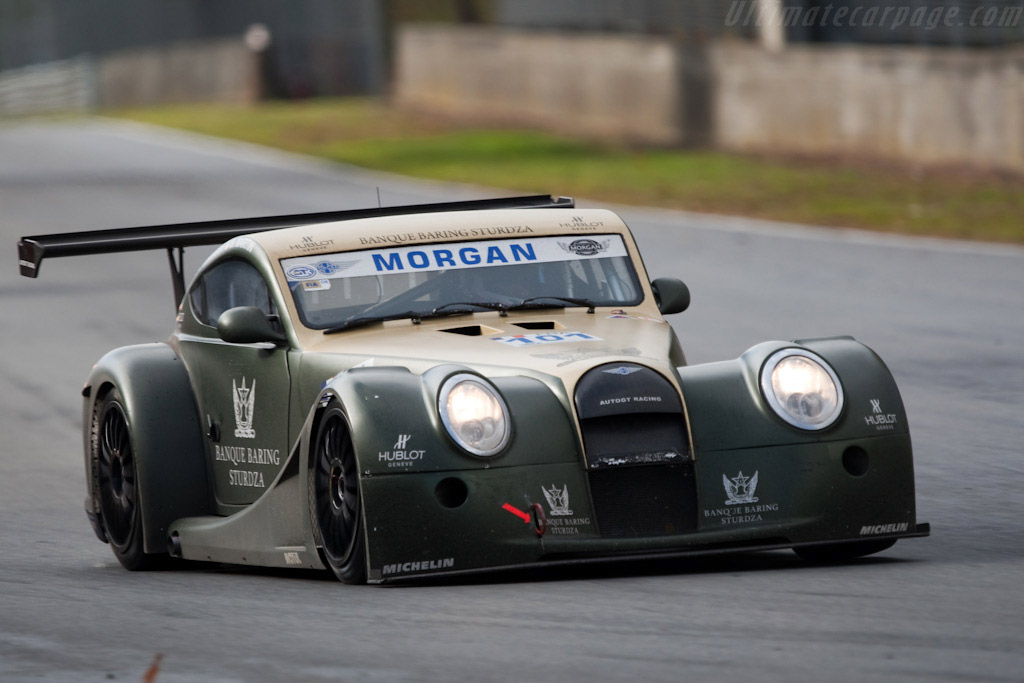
210, 71
64, 86
911, 104
623, 87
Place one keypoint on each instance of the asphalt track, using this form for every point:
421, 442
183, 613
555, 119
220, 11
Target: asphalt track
947, 317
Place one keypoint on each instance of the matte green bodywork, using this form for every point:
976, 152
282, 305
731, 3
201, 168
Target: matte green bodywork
172, 472
193, 431
805, 495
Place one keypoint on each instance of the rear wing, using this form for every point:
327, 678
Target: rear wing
33, 250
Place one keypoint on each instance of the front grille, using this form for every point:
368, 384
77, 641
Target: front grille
634, 438
642, 501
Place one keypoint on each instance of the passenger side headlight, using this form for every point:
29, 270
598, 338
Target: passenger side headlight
802, 389
474, 414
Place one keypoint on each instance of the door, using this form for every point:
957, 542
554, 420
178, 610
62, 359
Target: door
242, 390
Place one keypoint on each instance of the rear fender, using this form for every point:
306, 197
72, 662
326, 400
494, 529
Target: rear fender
167, 436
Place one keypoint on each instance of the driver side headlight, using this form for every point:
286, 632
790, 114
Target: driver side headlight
474, 414
802, 389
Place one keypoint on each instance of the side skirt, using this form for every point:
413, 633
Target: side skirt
375, 576
271, 532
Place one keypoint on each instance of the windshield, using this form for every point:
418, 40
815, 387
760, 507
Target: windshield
348, 288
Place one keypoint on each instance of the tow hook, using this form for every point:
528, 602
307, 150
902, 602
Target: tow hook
540, 520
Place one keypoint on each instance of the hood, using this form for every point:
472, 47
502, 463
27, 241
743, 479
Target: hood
564, 343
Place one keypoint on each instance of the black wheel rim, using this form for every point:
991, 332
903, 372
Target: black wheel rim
337, 490
116, 475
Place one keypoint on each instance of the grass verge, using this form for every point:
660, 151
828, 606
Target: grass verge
368, 133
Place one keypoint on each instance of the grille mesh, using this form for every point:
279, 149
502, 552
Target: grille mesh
632, 502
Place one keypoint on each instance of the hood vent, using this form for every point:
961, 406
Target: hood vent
539, 325
471, 330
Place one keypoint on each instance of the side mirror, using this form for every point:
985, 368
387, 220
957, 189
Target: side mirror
247, 325
671, 295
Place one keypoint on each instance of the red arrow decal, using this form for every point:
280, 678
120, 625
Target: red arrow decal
517, 512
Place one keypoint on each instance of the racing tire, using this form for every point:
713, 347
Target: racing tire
337, 509
115, 484
840, 552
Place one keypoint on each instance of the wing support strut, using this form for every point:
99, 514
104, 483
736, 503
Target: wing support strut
177, 273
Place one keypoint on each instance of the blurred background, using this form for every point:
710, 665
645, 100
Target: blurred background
904, 117
895, 91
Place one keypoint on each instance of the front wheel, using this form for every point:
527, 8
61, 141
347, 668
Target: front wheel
839, 552
115, 483
337, 513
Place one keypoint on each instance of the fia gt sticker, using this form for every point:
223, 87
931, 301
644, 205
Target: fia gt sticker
315, 285
547, 338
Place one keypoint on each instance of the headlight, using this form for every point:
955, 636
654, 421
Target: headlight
802, 389
474, 415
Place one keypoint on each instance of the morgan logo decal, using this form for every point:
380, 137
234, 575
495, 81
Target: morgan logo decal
585, 246
558, 500
245, 402
878, 418
875, 529
332, 267
740, 490
448, 256
622, 371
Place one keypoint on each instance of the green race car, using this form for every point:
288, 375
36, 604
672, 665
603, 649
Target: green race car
440, 389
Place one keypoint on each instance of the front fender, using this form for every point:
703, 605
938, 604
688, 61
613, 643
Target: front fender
396, 427
406, 461
166, 435
841, 482
727, 410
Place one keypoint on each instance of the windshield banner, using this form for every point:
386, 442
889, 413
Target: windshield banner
451, 255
